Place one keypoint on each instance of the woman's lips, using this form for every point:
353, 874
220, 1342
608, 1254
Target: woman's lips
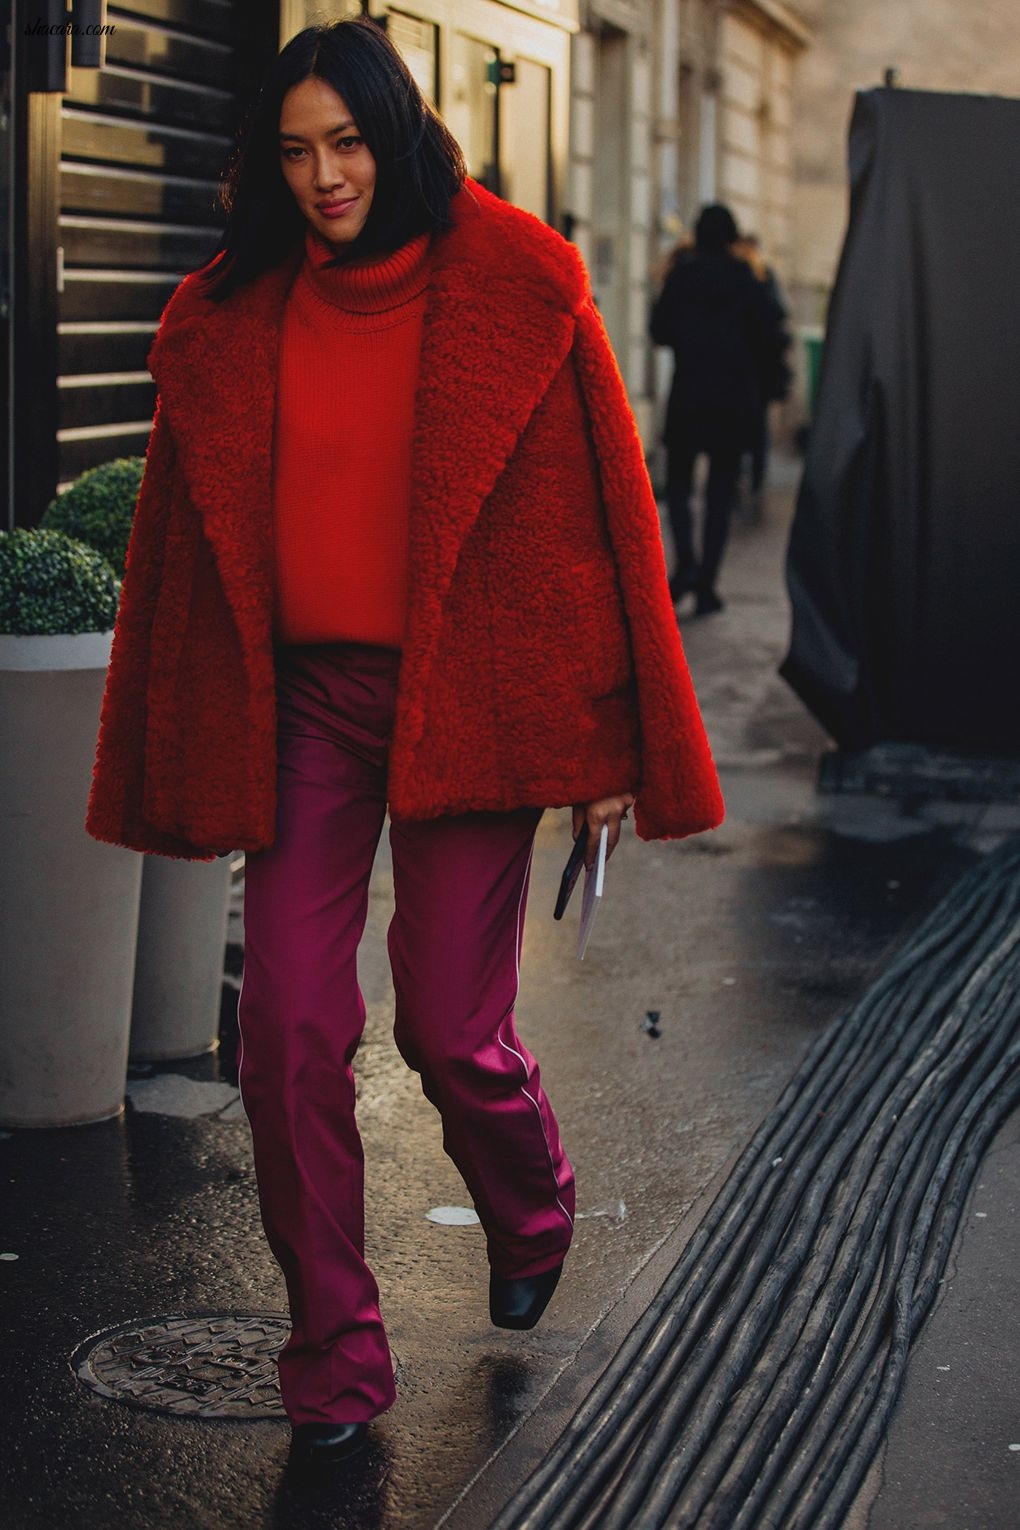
336, 209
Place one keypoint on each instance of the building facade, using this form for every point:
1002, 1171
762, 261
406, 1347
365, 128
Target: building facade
721, 129
613, 120
109, 176
610, 119
674, 103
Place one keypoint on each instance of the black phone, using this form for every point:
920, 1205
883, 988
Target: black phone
571, 872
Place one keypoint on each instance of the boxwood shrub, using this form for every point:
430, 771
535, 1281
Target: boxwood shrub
99, 506
51, 583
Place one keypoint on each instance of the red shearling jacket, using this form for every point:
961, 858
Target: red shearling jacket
542, 664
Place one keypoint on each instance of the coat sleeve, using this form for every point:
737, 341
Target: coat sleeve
679, 792
118, 778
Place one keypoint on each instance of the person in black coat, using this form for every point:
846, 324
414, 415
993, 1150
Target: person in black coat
724, 335
778, 376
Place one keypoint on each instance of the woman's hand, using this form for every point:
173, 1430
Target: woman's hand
610, 810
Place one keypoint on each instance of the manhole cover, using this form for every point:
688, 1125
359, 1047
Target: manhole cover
215, 1365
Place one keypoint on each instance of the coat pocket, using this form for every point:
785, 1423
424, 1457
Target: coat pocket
601, 631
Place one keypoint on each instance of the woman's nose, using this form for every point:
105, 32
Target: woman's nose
328, 172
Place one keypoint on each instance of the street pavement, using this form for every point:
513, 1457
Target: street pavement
743, 944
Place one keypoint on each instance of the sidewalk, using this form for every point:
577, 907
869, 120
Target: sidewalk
744, 943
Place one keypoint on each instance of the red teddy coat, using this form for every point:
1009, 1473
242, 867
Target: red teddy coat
542, 663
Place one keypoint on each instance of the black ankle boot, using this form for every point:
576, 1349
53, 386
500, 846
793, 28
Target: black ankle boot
325, 1444
680, 582
520, 1303
708, 602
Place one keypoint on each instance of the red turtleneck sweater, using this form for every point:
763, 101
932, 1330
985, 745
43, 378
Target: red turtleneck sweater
342, 446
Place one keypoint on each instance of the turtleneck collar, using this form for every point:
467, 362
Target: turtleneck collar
377, 284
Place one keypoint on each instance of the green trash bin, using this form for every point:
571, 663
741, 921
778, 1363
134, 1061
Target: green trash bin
814, 339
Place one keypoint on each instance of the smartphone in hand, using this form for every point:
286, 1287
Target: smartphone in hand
594, 883
571, 872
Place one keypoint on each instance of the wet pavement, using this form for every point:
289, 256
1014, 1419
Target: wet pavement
743, 943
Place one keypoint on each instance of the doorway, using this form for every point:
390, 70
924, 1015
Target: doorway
500, 110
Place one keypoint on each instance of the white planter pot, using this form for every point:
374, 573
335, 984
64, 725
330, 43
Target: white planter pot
182, 934
67, 936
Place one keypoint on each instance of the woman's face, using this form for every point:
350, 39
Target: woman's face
327, 165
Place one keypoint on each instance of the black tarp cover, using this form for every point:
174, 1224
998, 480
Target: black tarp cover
904, 559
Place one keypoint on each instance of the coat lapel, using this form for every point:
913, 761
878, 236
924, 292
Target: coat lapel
215, 369
489, 352
496, 329
498, 325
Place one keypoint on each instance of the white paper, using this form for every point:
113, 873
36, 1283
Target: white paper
594, 882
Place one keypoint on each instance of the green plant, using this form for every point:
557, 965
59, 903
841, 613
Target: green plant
51, 583
99, 506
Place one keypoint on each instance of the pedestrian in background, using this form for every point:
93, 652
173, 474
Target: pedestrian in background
776, 372
716, 318
395, 547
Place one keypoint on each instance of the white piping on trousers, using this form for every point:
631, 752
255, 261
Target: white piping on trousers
240, 1033
513, 1050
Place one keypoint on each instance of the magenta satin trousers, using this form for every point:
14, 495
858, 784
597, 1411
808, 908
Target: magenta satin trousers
460, 886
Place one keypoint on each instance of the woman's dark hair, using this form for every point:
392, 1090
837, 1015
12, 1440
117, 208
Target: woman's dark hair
419, 164
715, 230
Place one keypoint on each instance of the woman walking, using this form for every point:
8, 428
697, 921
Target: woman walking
395, 548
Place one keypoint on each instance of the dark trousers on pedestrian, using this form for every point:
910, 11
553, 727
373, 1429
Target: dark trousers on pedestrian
722, 444
460, 886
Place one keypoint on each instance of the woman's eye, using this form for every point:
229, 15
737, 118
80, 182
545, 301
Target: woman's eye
348, 144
